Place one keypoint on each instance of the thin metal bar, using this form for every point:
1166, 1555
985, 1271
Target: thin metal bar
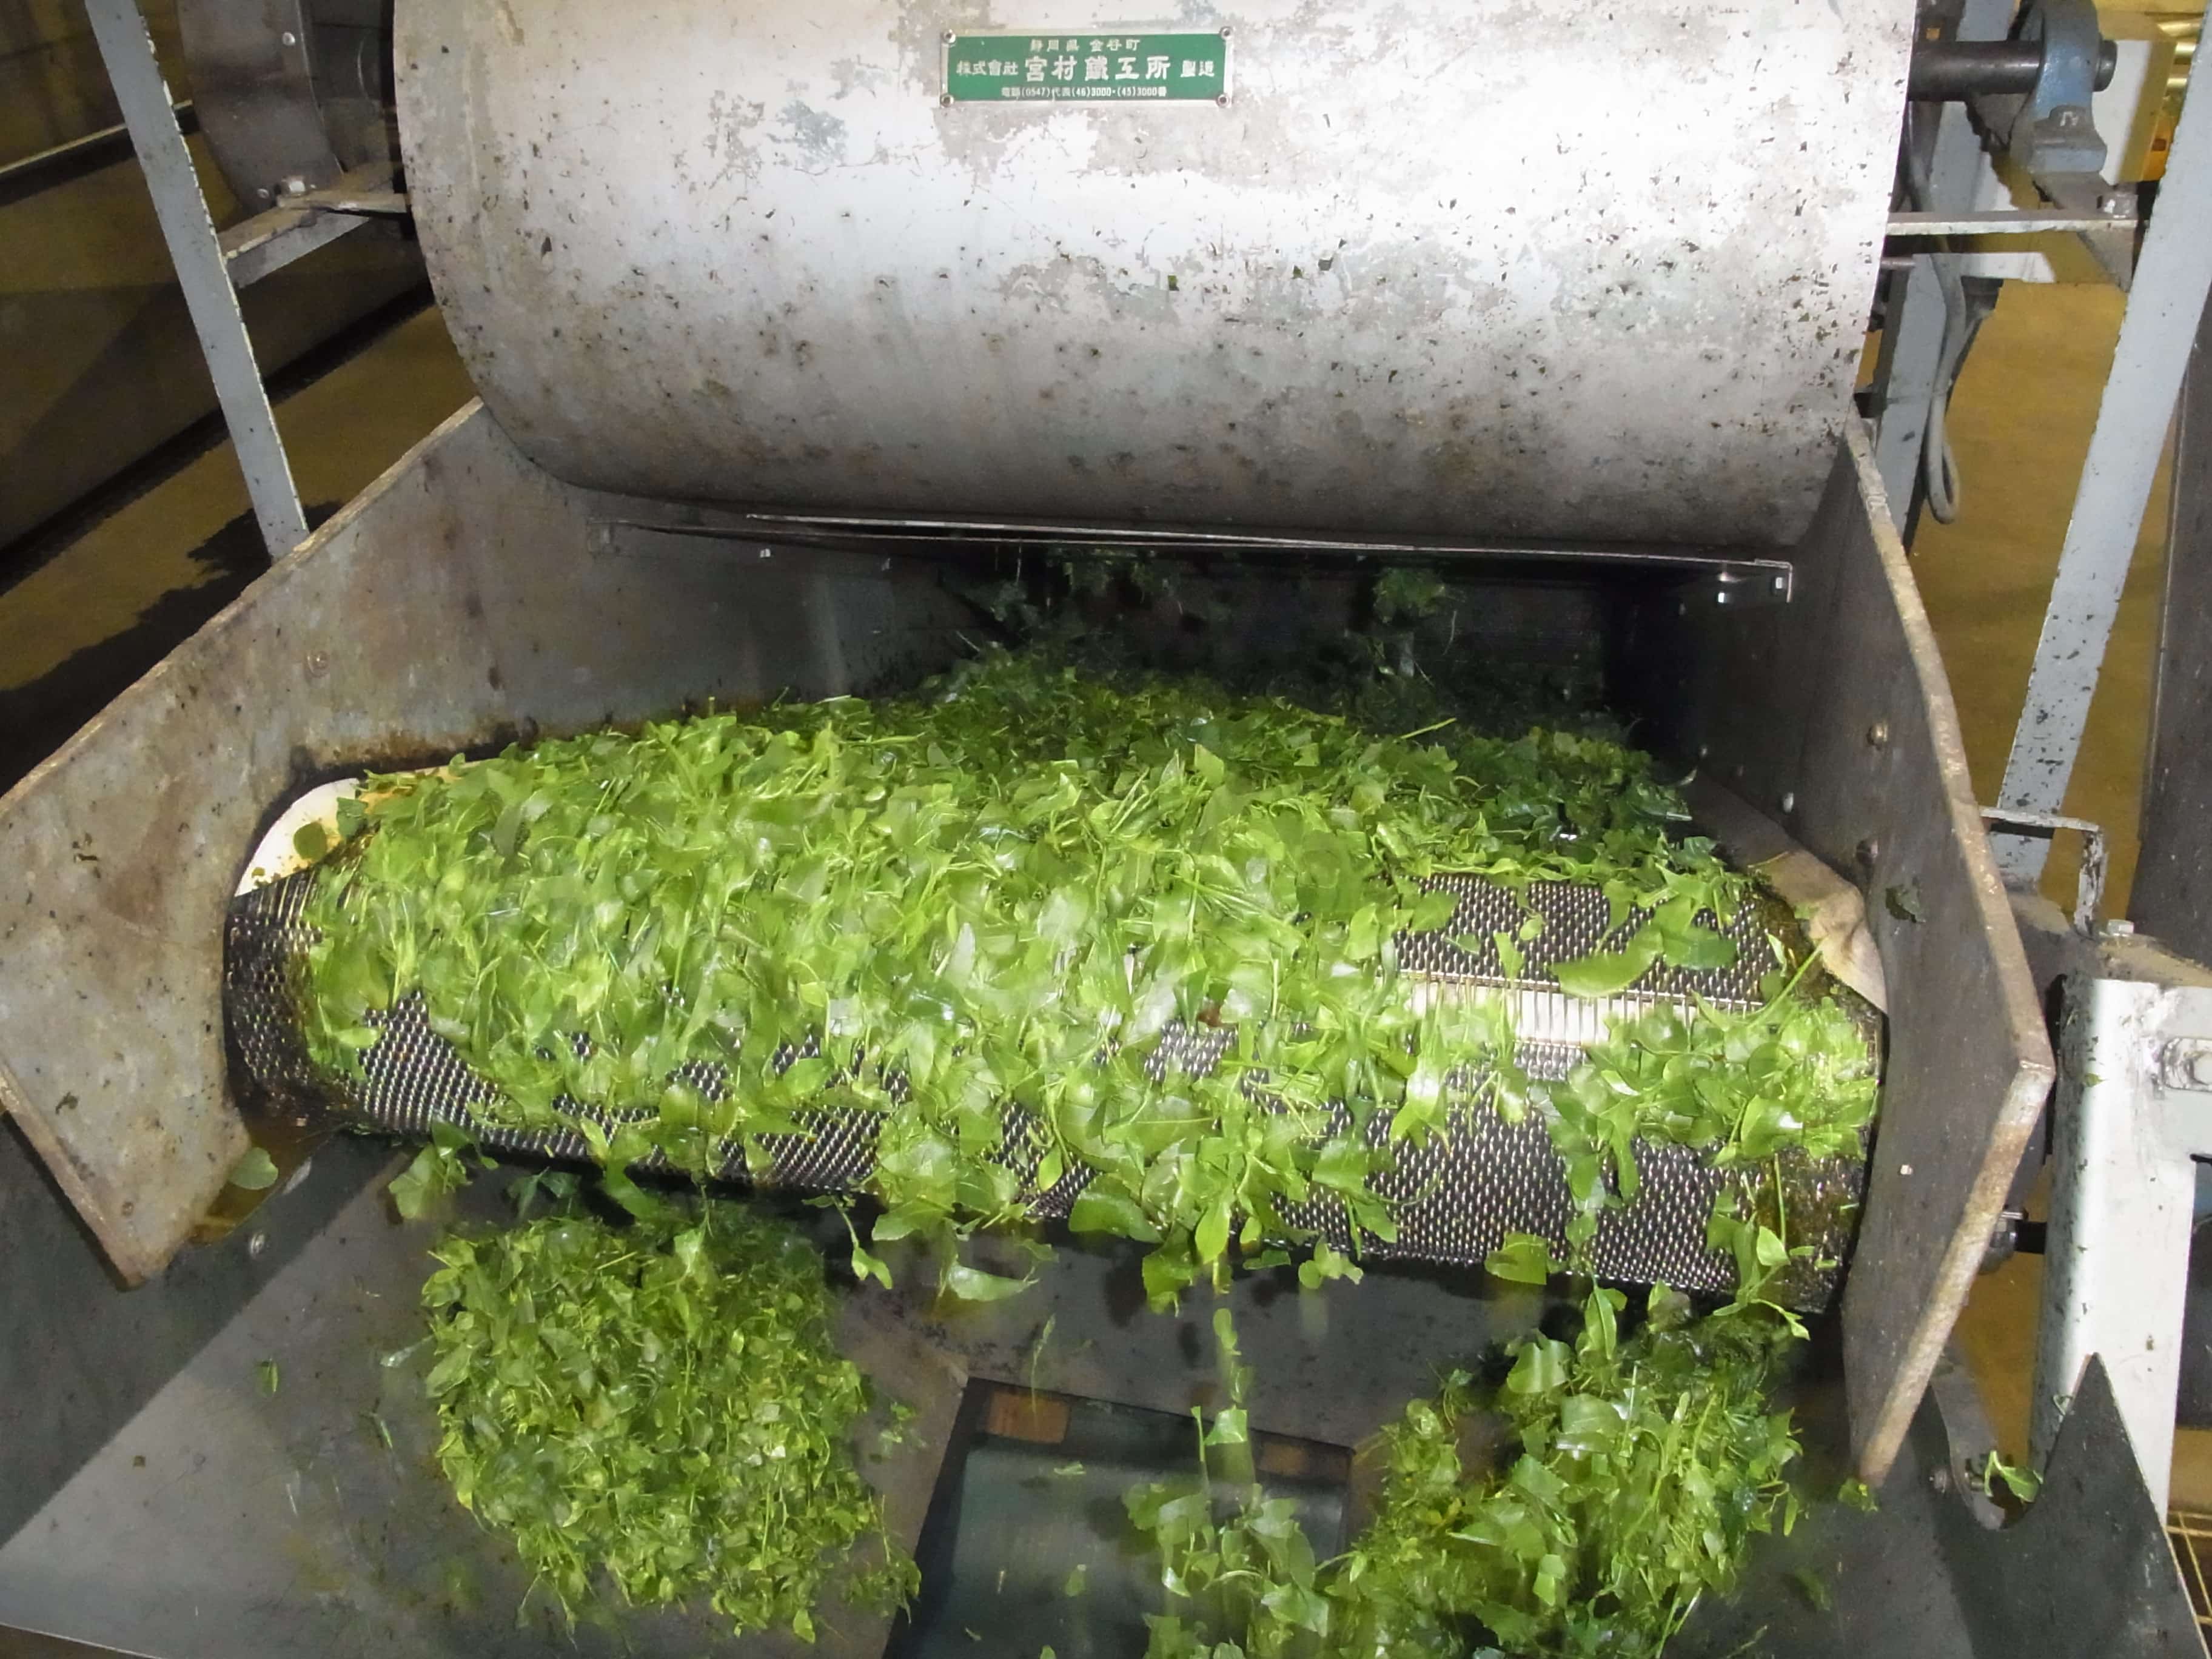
2164, 309
128, 51
1998, 222
268, 242
1184, 537
49, 169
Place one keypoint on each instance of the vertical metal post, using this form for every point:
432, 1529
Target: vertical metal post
127, 50
2130, 1112
2163, 307
1913, 336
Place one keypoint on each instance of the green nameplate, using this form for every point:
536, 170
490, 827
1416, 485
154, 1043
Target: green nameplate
1107, 66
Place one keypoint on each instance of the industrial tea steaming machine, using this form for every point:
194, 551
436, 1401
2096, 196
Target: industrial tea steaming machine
782, 314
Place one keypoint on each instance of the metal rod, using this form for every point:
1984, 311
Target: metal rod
49, 169
127, 50
865, 529
2000, 223
2164, 309
1944, 70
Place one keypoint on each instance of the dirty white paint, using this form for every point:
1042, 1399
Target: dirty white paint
1519, 268
2123, 1195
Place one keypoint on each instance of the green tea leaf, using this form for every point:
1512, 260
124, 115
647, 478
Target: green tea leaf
973, 1285
614, 1398
1524, 1258
1100, 1208
1608, 973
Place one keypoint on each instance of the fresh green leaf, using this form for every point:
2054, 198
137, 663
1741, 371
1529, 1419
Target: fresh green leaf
1608, 973
1524, 1258
974, 1284
255, 1172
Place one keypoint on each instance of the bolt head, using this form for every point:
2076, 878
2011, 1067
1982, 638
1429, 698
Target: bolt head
289, 38
1878, 734
255, 1244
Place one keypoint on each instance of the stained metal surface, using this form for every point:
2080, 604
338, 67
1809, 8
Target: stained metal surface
289, 89
2172, 896
1832, 714
1402, 284
253, 72
412, 625
282, 1525
2165, 308
2088, 1571
2122, 1192
226, 1519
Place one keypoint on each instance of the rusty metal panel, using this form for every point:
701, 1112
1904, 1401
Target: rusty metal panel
465, 595
1834, 716
1504, 268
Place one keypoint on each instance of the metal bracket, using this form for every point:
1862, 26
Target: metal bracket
308, 220
2129, 1117
2053, 131
2089, 883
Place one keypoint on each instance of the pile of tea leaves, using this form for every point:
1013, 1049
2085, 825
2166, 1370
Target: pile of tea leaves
1625, 1478
658, 1409
1009, 890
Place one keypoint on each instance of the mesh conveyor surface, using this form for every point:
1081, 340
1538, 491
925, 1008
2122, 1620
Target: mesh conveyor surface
1455, 1198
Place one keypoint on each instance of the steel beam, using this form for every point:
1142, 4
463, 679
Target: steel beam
127, 50
2163, 307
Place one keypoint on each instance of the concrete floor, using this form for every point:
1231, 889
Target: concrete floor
106, 607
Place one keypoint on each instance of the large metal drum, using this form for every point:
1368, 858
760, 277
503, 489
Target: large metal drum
1505, 267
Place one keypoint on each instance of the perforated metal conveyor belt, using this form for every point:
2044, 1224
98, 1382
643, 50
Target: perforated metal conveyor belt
1453, 1198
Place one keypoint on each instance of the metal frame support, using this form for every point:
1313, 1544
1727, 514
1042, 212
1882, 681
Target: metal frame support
2173, 276
211, 296
2134, 1103
1913, 334
2089, 881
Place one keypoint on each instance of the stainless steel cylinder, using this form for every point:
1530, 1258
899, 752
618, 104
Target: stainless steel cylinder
1509, 268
